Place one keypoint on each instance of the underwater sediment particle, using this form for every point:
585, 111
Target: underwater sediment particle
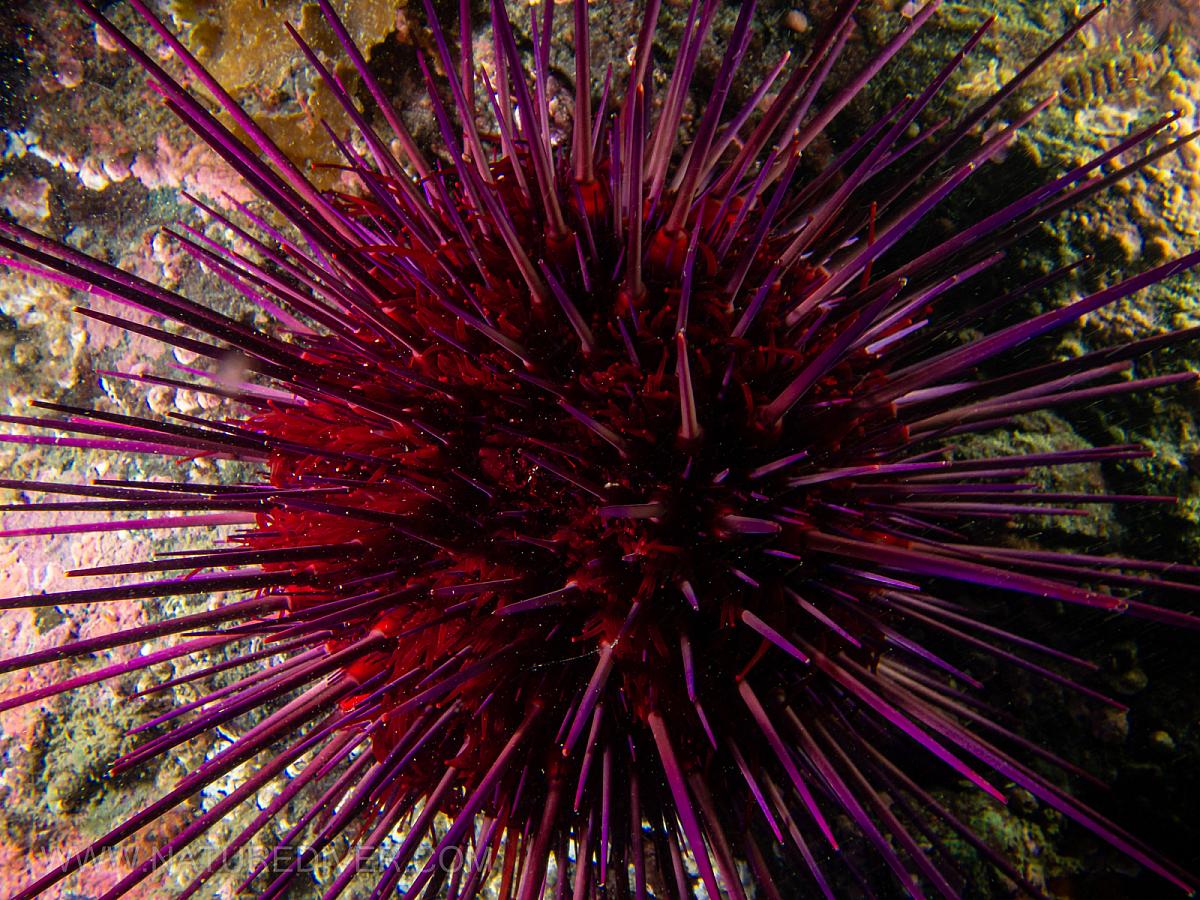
595, 517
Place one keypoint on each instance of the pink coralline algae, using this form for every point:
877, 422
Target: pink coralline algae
195, 168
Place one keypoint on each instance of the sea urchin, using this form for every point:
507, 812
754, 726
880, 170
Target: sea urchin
612, 534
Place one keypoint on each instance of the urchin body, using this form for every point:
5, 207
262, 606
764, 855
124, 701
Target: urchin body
609, 499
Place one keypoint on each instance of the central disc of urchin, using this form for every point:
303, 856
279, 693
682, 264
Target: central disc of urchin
652, 419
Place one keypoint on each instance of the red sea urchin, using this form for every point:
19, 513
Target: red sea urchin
610, 508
